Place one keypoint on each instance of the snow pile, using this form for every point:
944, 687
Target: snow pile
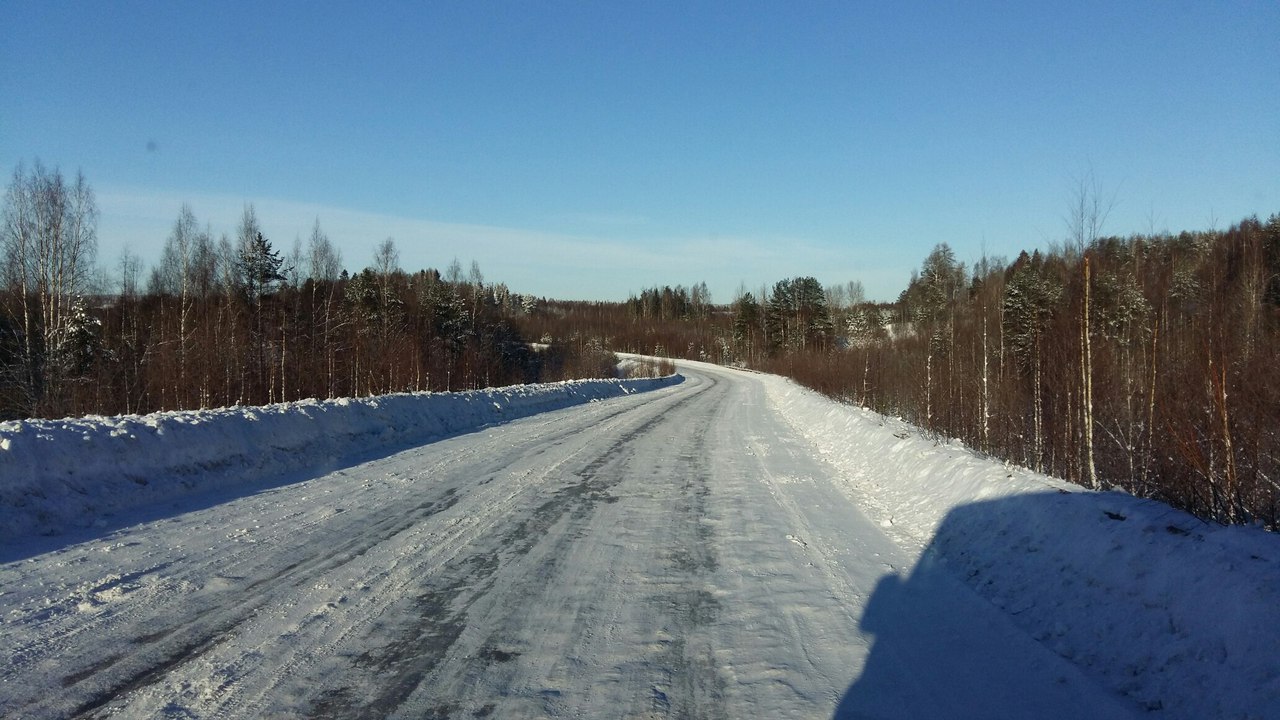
629, 364
1175, 614
61, 474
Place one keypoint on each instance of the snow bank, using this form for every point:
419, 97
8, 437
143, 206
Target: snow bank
1175, 614
57, 475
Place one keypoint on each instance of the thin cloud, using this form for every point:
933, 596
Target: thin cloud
571, 266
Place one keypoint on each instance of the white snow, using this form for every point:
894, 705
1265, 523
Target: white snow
1175, 613
59, 475
728, 545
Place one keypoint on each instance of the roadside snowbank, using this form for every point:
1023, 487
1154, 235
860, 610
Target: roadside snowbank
1173, 613
57, 475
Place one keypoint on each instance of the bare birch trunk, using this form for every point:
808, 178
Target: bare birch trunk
1086, 376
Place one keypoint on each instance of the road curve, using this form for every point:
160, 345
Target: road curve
678, 553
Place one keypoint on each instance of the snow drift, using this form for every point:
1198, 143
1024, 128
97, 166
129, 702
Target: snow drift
57, 475
1176, 614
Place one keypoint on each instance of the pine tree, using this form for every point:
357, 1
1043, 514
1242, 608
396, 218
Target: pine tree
260, 266
80, 342
259, 269
1271, 240
746, 319
931, 301
1030, 296
864, 327
796, 317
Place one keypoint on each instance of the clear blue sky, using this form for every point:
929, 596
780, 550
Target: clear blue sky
588, 150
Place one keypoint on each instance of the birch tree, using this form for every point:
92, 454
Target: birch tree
49, 238
325, 264
184, 256
1086, 214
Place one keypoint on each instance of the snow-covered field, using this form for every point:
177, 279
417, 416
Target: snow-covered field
726, 546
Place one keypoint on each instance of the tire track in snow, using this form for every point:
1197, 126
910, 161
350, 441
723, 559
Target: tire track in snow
155, 649
566, 608
184, 643
485, 506
433, 660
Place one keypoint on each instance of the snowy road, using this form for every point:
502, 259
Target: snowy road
677, 553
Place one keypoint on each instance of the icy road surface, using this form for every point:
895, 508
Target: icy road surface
677, 553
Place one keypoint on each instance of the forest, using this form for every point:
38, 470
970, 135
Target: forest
1144, 363
233, 321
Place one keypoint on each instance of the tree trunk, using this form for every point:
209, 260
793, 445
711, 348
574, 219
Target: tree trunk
1086, 377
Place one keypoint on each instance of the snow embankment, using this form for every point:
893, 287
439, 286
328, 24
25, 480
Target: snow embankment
57, 475
1176, 614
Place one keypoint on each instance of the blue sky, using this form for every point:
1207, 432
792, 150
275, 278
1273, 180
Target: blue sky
588, 150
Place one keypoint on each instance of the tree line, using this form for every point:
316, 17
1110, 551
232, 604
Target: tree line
233, 321
1146, 363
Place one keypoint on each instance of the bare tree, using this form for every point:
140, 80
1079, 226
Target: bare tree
386, 264
294, 271
475, 285
324, 259
453, 275
386, 267
1086, 215
130, 268
325, 265
49, 238
700, 299
386, 258
175, 278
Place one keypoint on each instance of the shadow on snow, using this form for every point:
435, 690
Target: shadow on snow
942, 650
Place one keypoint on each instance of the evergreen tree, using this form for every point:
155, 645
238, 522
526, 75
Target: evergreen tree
1271, 240
258, 269
796, 317
80, 343
746, 319
1031, 294
444, 315
865, 327
260, 266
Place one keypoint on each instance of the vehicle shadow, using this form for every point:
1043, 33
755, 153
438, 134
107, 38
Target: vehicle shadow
943, 650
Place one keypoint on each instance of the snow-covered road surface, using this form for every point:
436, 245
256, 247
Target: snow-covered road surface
676, 553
